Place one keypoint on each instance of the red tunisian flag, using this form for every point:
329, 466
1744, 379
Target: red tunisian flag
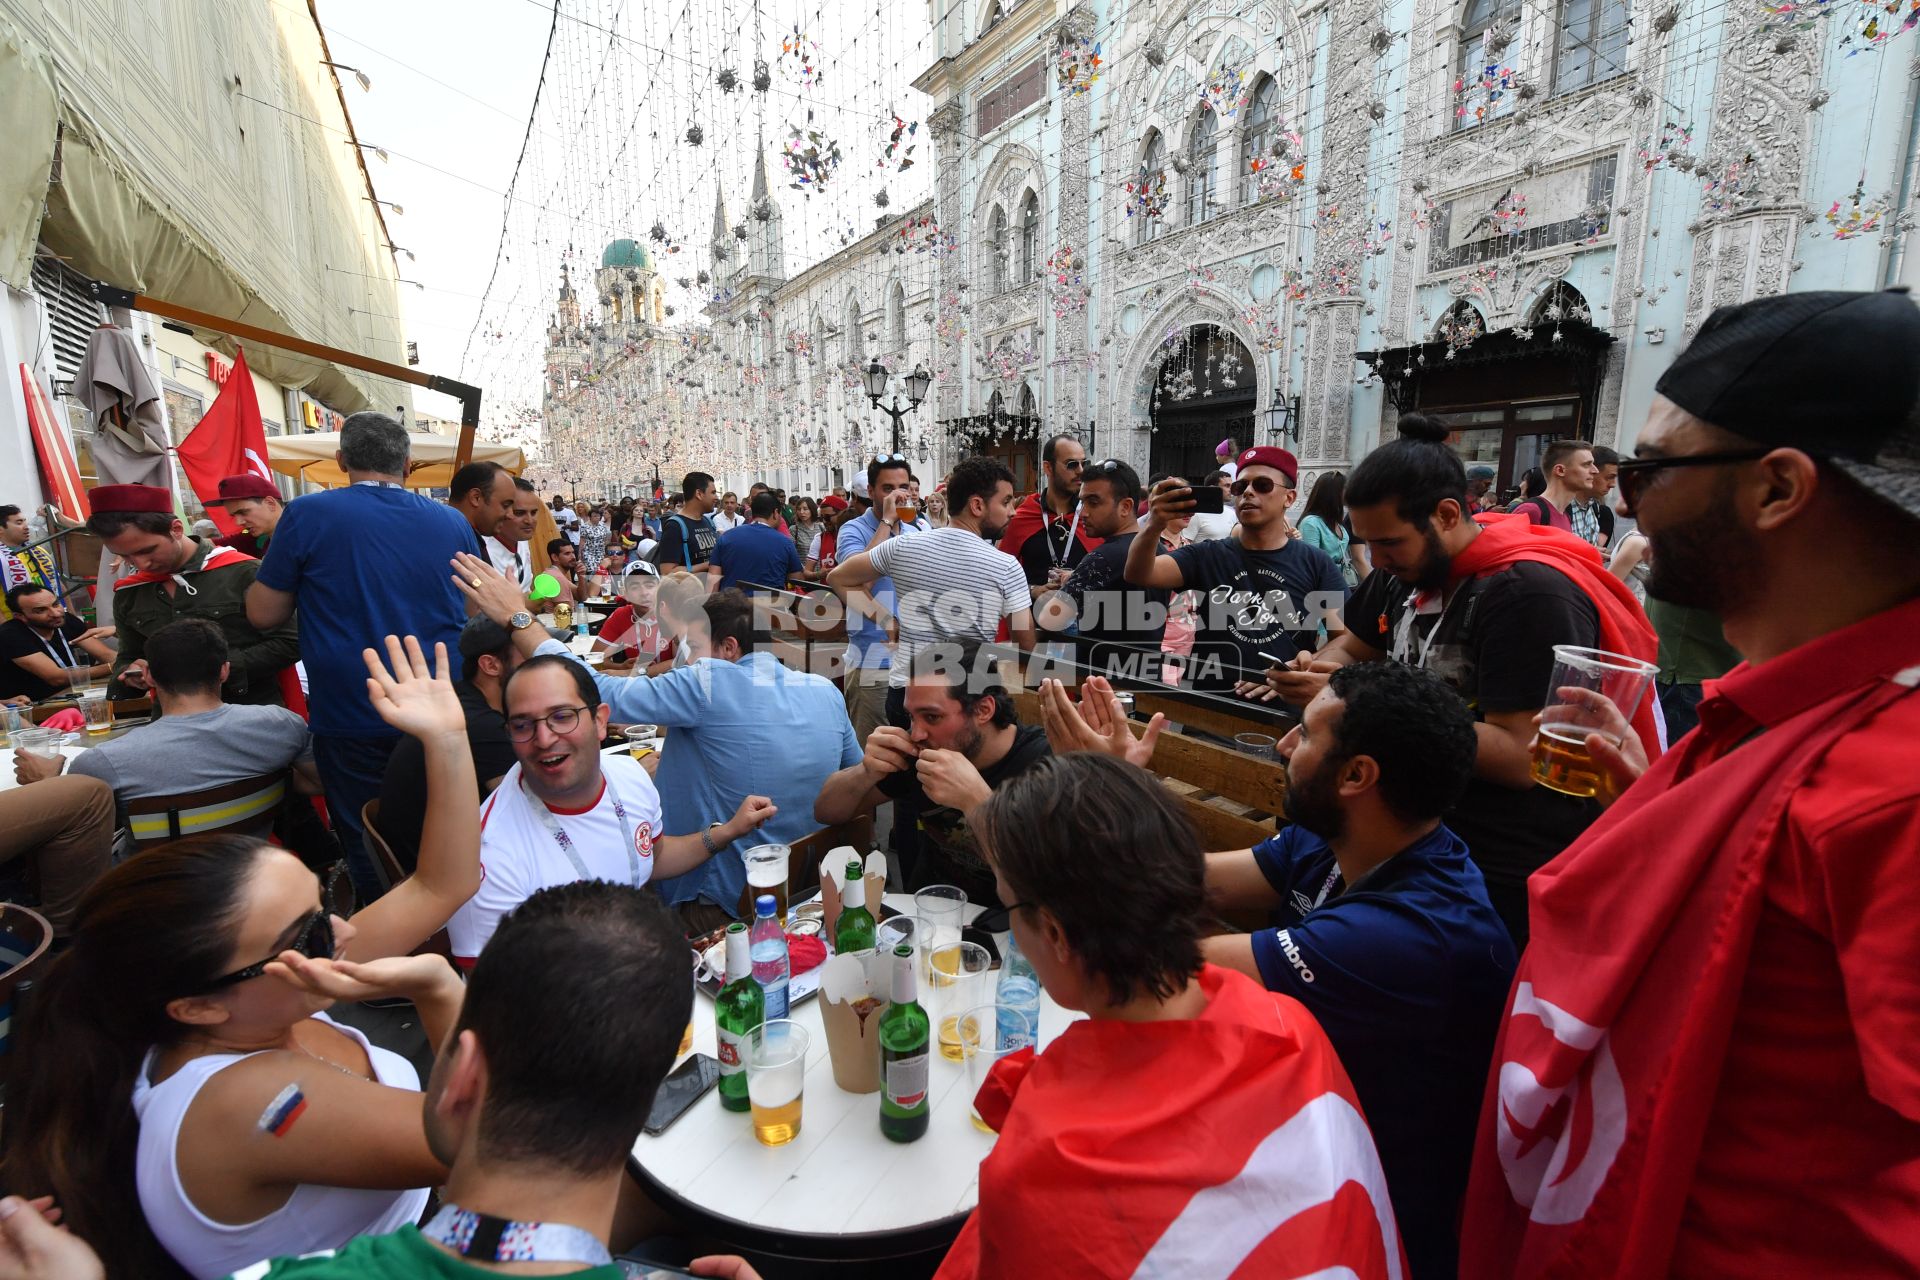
229, 441
1229, 1145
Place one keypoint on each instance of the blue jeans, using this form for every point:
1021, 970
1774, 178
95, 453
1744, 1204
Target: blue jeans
351, 770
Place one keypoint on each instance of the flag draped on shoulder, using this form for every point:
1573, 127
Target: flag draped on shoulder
230, 440
1226, 1145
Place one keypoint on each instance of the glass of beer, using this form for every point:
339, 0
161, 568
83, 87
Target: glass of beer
906, 510
1591, 692
98, 711
776, 1079
941, 910
988, 1033
767, 873
956, 982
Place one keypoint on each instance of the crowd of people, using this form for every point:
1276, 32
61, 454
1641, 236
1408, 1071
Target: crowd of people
1443, 1020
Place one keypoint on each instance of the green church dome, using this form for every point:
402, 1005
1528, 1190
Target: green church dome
627, 253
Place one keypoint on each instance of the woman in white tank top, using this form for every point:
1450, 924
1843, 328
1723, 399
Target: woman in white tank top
198, 1111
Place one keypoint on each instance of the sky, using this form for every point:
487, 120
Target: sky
608, 155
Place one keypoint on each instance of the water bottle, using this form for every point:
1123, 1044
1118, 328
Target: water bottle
1019, 988
771, 968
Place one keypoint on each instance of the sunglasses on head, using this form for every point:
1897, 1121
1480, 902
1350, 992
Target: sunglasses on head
1261, 485
314, 939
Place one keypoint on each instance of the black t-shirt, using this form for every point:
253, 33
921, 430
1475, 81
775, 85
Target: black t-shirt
18, 640
403, 791
675, 549
1255, 602
1120, 626
949, 853
1051, 546
1494, 645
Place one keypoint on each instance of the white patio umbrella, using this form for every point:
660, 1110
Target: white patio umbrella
310, 458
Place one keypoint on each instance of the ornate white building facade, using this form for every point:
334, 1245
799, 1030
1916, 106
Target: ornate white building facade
1159, 224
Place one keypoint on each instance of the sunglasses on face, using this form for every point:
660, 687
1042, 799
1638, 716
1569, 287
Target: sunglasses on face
1262, 485
1637, 473
1071, 464
562, 721
314, 939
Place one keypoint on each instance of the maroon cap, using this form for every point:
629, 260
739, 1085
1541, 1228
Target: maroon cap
833, 502
1267, 456
129, 498
241, 488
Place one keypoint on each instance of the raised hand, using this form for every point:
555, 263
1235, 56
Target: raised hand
1098, 723
413, 698
492, 592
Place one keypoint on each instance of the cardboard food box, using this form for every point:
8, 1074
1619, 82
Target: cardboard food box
855, 990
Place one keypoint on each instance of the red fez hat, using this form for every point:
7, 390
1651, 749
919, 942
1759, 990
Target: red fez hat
130, 498
1267, 456
243, 488
833, 502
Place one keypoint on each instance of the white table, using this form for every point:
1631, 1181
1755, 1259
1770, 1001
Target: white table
839, 1189
7, 782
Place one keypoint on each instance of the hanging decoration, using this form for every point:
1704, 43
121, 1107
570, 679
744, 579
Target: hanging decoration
923, 235
1901, 17
949, 323
762, 76
696, 135
1200, 278
1147, 193
1008, 359
1279, 174
1067, 286
800, 344
1460, 328
727, 78
1509, 214
1726, 189
1856, 215
811, 157
1669, 149
1269, 333
800, 59
898, 153
1480, 90
1224, 93
1078, 65
1293, 284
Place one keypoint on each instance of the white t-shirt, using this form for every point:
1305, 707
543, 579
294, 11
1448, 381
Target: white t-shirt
1206, 527
724, 522
514, 562
951, 584
520, 856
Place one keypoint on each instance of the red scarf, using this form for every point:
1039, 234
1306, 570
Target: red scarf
1507, 540
1033, 515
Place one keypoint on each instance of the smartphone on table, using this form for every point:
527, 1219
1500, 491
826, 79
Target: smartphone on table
685, 1085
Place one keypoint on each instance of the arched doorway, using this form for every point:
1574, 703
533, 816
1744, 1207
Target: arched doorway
1204, 393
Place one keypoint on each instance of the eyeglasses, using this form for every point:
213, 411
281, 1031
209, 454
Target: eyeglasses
314, 940
1637, 473
1070, 464
1261, 485
561, 721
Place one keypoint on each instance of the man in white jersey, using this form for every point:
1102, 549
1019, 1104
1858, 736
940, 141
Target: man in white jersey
566, 813
952, 584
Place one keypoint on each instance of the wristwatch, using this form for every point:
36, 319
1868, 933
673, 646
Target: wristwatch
520, 621
706, 837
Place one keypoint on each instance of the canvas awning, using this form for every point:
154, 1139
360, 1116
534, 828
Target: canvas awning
310, 458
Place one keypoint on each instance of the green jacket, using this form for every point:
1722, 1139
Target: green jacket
218, 593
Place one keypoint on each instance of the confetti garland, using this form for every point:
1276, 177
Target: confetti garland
1726, 189
800, 344
800, 60
1269, 334
950, 325
1006, 362
1147, 194
1078, 66
923, 235
1066, 285
1862, 216
1875, 33
1509, 214
1480, 95
811, 157
892, 155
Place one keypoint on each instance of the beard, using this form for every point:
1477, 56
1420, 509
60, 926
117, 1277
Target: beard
1436, 567
1311, 803
968, 744
1697, 563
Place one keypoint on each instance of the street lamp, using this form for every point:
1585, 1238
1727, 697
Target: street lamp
917, 383
1283, 419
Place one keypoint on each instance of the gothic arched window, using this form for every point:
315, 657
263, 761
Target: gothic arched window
1262, 123
1590, 43
997, 250
1203, 152
1153, 173
1471, 99
1029, 238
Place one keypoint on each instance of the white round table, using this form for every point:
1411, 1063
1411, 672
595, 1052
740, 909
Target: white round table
838, 1191
7, 781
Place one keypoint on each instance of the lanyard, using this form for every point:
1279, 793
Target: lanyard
491, 1239
1059, 558
378, 484
561, 838
53, 652
1405, 645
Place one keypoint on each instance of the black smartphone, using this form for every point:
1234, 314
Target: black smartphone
685, 1085
978, 933
1208, 500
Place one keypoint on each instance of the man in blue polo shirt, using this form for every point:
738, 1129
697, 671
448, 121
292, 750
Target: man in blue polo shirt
756, 554
361, 563
1382, 928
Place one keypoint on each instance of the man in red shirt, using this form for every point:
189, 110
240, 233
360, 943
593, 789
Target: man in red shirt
1711, 1058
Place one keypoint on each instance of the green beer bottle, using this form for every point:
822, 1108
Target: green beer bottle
905, 1033
737, 1010
854, 932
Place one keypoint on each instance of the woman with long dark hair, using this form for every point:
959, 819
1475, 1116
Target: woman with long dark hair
1324, 525
178, 1086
